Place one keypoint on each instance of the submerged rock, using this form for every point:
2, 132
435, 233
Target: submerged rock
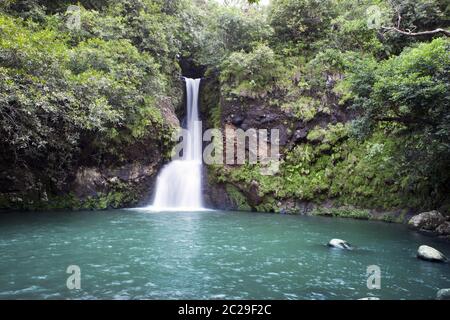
443, 294
427, 221
340, 244
430, 254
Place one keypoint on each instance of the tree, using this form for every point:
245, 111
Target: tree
300, 20
410, 92
415, 20
251, 74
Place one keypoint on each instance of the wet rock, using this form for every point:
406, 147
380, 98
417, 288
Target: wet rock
215, 194
443, 229
253, 193
283, 135
133, 172
426, 221
268, 118
340, 244
287, 206
245, 126
134, 179
88, 182
237, 120
300, 134
430, 254
443, 294
304, 207
168, 112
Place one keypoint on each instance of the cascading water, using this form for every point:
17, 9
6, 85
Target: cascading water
178, 185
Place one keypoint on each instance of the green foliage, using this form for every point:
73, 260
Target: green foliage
212, 32
241, 30
410, 92
269, 204
127, 79
113, 199
250, 74
94, 86
325, 71
328, 56
305, 108
71, 97
216, 116
342, 212
417, 15
334, 166
238, 198
351, 28
300, 21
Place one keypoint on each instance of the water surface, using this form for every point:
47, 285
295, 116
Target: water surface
133, 254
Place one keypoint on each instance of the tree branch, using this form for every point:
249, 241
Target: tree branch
405, 120
417, 34
409, 32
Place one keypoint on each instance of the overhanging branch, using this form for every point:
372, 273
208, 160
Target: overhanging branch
405, 120
417, 34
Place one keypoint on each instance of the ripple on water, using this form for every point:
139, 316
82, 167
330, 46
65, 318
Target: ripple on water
129, 255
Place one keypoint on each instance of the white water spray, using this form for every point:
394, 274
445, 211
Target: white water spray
178, 185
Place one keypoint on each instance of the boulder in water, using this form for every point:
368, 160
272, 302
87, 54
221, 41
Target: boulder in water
340, 244
430, 254
443, 294
427, 221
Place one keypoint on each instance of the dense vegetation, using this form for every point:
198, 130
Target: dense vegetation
74, 97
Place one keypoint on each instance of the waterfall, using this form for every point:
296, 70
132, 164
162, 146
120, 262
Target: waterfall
178, 185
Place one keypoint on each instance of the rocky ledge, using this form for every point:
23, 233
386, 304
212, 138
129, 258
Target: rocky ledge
431, 222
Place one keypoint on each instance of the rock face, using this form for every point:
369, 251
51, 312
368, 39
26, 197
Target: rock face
215, 196
128, 181
426, 221
430, 254
260, 112
120, 175
132, 181
88, 181
431, 222
340, 244
443, 294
